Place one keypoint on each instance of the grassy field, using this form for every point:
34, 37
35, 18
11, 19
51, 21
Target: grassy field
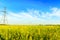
29, 32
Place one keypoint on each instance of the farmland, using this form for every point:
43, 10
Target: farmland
29, 32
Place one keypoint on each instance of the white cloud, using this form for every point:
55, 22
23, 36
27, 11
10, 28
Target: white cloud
23, 18
33, 17
55, 12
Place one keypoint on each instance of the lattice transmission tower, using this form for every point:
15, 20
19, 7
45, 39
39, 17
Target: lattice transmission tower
4, 16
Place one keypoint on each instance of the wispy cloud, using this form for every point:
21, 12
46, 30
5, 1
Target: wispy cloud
55, 12
34, 17
23, 18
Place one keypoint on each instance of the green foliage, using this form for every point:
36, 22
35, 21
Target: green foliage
30, 32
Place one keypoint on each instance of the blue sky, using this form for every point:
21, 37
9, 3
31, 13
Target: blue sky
32, 11
19, 5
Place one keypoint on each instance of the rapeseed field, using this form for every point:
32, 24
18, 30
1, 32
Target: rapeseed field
29, 32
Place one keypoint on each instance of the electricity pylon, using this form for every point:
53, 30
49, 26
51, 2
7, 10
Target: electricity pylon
4, 16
